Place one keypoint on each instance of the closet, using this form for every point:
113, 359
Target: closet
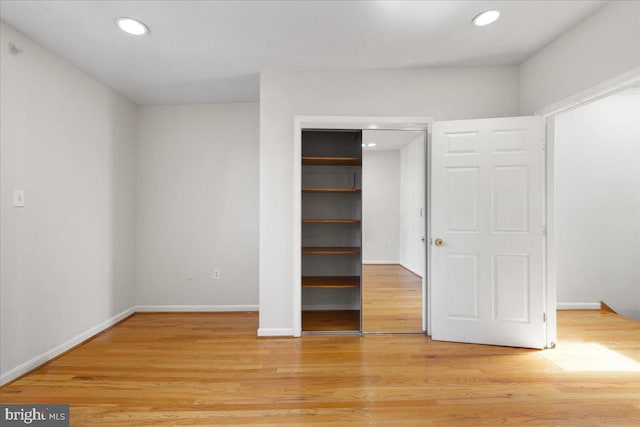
331, 230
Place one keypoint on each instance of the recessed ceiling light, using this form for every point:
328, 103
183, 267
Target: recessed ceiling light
373, 144
132, 26
486, 18
363, 145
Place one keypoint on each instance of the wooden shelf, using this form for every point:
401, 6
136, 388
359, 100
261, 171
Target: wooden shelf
331, 320
331, 190
336, 161
330, 221
338, 282
330, 250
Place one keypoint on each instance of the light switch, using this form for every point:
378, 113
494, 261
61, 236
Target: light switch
18, 198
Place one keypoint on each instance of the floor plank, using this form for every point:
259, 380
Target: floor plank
210, 369
391, 299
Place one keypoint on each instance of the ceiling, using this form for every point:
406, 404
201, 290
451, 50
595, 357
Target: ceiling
389, 140
213, 51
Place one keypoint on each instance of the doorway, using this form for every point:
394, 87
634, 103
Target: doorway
448, 300
394, 230
597, 188
341, 123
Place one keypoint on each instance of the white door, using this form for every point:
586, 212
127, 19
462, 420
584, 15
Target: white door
487, 218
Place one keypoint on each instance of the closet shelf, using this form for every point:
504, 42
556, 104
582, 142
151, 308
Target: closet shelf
331, 250
331, 190
330, 221
336, 282
330, 172
337, 161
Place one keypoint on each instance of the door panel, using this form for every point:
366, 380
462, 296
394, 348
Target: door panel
461, 286
461, 199
510, 199
487, 205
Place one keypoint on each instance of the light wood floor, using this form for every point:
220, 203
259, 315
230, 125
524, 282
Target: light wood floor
391, 299
210, 369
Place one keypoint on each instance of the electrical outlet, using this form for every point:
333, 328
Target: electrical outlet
216, 274
18, 198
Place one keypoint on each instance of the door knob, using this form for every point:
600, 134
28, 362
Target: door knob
439, 242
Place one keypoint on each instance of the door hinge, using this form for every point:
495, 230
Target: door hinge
544, 230
544, 317
544, 145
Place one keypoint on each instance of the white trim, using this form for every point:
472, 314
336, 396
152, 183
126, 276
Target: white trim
195, 308
275, 332
549, 260
578, 306
297, 227
364, 122
607, 87
385, 262
50, 354
426, 279
635, 90
330, 122
415, 273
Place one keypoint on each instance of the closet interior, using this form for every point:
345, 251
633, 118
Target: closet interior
331, 230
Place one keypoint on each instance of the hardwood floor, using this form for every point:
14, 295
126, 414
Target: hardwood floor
392, 299
210, 369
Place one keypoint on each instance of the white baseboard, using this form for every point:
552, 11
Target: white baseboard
384, 261
578, 306
39, 360
195, 308
410, 270
275, 332
33, 363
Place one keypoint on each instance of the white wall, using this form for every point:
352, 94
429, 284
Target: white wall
380, 206
197, 206
598, 204
440, 93
603, 46
413, 206
67, 257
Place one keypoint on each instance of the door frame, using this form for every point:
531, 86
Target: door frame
608, 87
355, 123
